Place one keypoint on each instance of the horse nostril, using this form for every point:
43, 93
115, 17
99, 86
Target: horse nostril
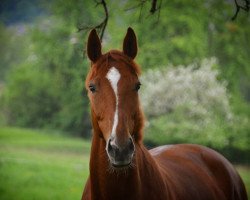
109, 146
112, 149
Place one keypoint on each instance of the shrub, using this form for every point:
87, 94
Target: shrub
187, 105
194, 87
30, 98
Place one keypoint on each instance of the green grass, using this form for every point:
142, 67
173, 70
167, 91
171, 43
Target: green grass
41, 165
35, 165
244, 172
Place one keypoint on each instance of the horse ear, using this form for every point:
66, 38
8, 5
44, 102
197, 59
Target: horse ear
94, 47
130, 44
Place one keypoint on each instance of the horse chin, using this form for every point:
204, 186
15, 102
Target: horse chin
121, 165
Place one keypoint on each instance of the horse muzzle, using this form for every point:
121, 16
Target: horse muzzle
120, 155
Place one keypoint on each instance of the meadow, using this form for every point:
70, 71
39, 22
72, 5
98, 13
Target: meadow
36, 164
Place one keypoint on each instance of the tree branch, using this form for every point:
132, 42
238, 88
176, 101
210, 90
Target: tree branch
153, 6
159, 12
238, 7
102, 26
136, 6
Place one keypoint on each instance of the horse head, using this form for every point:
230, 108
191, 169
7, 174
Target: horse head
113, 86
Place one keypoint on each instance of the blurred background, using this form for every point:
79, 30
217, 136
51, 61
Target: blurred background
193, 57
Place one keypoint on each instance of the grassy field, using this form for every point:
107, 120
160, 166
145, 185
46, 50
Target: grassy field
38, 165
35, 165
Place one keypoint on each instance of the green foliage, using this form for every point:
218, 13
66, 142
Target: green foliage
46, 90
31, 97
13, 48
61, 55
177, 38
178, 127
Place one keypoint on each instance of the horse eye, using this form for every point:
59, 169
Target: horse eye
137, 86
92, 88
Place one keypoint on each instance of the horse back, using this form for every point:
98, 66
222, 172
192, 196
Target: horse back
197, 172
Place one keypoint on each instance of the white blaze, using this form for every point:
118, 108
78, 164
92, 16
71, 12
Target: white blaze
114, 76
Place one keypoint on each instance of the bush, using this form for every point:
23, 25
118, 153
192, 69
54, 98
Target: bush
194, 87
30, 98
46, 89
176, 127
190, 105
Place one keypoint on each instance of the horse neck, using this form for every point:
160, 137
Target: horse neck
123, 184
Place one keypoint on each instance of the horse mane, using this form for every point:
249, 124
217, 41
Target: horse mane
118, 56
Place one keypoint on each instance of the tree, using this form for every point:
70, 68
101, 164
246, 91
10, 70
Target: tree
156, 6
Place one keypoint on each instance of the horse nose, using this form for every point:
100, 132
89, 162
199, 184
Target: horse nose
120, 155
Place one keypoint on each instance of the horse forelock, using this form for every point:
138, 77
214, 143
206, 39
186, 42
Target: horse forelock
116, 56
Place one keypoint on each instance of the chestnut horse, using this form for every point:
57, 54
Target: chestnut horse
120, 165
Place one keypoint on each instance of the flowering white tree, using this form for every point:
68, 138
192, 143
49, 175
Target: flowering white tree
187, 104
195, 87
